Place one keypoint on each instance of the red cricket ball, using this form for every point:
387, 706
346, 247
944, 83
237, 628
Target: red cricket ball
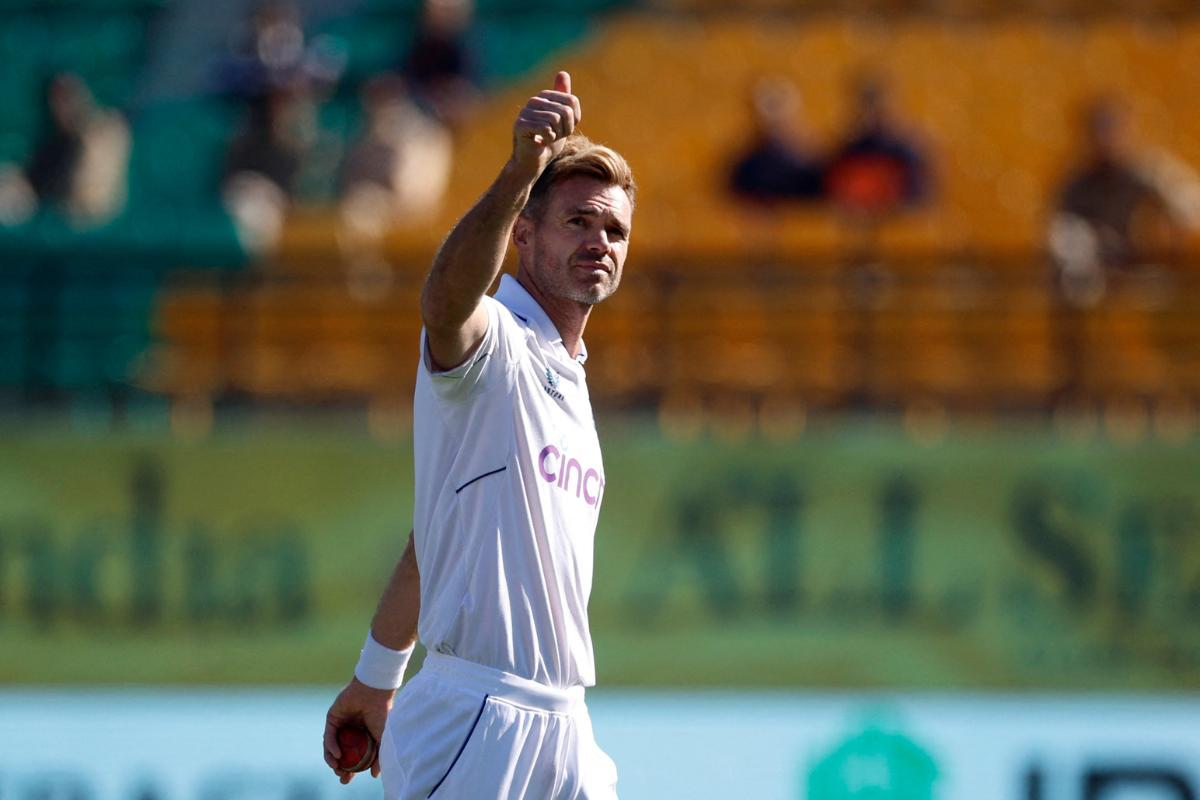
358, 748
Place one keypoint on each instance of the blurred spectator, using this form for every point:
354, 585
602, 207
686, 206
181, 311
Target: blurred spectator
879, 167
441, 65
398, 170
1119, 204
282, 153
279, 141
780, 163
272, 51
272, 47
80, 162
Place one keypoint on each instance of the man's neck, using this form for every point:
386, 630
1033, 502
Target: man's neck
568, 316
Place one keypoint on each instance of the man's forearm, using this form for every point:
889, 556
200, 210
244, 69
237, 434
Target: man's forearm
395, 622
471, 257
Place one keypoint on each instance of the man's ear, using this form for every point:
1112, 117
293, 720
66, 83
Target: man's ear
522, 231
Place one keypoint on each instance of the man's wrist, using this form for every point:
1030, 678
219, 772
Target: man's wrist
381, 667
362, 687
517, 178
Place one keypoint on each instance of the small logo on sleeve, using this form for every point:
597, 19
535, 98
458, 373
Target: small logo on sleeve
571, 476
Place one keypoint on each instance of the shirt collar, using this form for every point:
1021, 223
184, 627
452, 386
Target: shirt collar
517, 299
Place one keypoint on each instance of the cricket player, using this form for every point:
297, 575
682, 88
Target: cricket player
509, 482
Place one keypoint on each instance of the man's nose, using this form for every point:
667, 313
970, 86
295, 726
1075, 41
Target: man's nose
597, 241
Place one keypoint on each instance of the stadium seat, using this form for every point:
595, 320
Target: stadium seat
723, 302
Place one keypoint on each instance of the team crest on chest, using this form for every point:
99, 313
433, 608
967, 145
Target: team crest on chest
551, 385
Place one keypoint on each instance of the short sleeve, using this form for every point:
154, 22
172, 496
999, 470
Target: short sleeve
490, 360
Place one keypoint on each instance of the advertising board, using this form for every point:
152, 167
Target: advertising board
231, 744
848, 558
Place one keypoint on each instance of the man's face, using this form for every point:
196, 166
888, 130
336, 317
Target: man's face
576, 250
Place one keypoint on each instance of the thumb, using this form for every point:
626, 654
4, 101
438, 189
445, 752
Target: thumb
562, 82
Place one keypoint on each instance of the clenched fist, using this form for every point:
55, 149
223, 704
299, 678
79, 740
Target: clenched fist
544, 124
360, 705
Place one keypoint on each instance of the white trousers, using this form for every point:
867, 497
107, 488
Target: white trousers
463, 731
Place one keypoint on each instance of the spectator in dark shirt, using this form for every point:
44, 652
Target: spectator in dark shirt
264, 160
440, 69
79, 164
1118, 204
53, 164
879, 167
271, 51
780, 164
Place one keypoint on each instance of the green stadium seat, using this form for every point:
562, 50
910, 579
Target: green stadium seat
512, 46
406, 8
544, 8
373, 43
178, 151
14, 310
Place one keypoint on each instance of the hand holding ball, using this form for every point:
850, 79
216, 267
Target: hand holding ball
358, 748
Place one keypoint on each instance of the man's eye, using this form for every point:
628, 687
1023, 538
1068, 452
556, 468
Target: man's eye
616, 233
575, 221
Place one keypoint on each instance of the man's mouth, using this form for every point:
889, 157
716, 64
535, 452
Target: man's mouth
593, 266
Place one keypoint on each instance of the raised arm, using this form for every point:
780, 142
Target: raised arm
469, 259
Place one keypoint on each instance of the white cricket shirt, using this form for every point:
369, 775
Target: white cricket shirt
508, 488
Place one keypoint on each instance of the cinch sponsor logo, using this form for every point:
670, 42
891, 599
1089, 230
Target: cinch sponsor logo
570, 476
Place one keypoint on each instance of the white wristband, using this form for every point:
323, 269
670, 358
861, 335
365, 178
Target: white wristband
382, 667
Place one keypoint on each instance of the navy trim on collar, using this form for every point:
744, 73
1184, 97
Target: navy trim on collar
513, 296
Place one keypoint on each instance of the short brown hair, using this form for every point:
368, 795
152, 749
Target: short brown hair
580, 156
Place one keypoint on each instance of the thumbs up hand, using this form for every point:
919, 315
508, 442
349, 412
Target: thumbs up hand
544, 124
